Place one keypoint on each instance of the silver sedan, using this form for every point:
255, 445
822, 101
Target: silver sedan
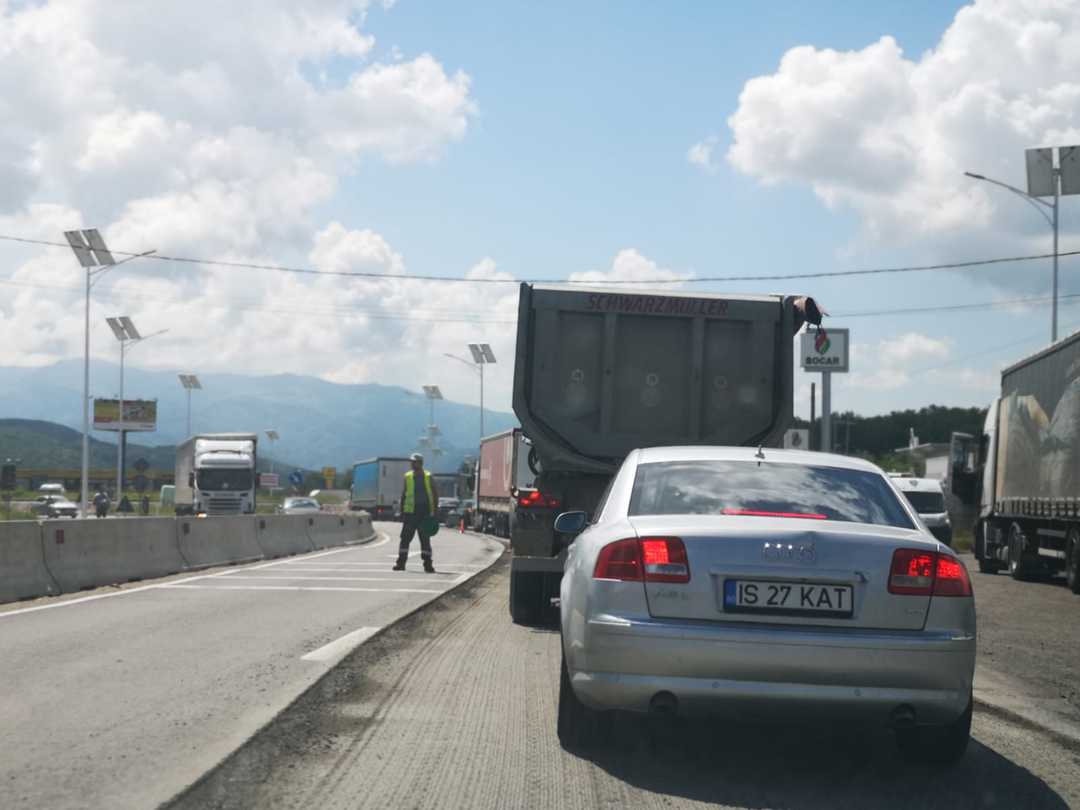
760, 583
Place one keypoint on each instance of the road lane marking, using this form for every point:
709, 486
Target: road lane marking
141, 588
295, 588
339, 648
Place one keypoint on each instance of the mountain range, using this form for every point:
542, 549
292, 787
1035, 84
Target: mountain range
320, 423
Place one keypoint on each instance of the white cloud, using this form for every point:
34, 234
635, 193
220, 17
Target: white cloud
889, 136
227, 141
630, 265
892, 363
701, 154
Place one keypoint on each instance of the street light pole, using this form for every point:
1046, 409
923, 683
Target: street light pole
95, 258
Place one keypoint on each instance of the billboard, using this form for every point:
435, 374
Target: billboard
139, 414
824, 350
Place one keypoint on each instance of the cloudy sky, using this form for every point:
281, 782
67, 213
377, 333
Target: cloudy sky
506, 140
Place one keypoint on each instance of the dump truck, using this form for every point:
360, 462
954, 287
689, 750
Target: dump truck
215, 474
505, 481
377, 484
598, 373
1023, 472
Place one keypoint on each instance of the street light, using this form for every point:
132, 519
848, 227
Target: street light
96, 259
1044, 179
482, 355
273, 436
190, 383
125, 332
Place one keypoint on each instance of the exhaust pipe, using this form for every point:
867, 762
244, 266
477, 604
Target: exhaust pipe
664, 703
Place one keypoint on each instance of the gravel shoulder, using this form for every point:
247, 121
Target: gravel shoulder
1029, 634
454, 707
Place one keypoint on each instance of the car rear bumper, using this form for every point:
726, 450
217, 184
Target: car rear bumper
770, 671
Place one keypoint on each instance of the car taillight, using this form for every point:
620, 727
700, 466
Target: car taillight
952, 577
536, 499
926, 573
652, 559
619, 560
665, 559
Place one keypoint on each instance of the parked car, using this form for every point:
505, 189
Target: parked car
299, 506
928, 499
752, 582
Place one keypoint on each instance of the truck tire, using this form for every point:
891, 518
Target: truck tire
936, 745
1018, 566
525, 594
1072, 560
579, 727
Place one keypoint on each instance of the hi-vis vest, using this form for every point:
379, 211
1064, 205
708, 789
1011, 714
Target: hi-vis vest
410, 494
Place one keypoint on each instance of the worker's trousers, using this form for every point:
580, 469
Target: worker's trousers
410, 525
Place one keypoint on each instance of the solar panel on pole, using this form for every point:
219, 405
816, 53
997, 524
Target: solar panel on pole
82, 250
477, 355
97, 244
129, 327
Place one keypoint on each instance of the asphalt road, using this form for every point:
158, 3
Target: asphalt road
1029, 638
454, 707
122, 697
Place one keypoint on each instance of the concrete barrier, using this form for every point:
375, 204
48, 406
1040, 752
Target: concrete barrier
364, 530
219, 540
23, 574
280, 535
326, 531
89, 553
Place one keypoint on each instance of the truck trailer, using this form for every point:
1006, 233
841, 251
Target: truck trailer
376, 486
505, 481
598, 373
215, 474
1024, 471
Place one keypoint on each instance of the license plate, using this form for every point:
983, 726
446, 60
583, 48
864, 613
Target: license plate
791, 598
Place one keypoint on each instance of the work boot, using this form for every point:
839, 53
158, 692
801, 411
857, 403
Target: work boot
429, 567
400, 564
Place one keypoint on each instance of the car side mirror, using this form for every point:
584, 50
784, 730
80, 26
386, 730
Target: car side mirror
571, 523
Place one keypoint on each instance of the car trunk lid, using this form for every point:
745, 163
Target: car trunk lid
800, 557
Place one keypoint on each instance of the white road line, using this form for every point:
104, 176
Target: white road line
339, 648
294, 588
376, 569
430, 579
141, 588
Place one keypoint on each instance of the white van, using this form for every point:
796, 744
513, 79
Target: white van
51, 489
926, 495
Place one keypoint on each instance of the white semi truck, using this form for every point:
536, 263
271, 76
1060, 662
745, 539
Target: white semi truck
215, 474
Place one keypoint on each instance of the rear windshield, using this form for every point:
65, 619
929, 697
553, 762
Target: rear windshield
926, 503
766, 490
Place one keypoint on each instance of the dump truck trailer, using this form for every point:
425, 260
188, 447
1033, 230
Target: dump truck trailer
598, 373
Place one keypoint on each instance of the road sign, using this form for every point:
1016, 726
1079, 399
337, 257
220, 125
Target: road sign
269, 480
141, 465
141, 483
296, 478
329, 474
824, 350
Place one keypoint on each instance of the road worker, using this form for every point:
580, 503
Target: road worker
418, 504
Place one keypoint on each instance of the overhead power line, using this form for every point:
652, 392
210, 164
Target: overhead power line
963, 265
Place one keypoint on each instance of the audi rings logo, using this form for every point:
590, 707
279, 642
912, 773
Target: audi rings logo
803, 552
